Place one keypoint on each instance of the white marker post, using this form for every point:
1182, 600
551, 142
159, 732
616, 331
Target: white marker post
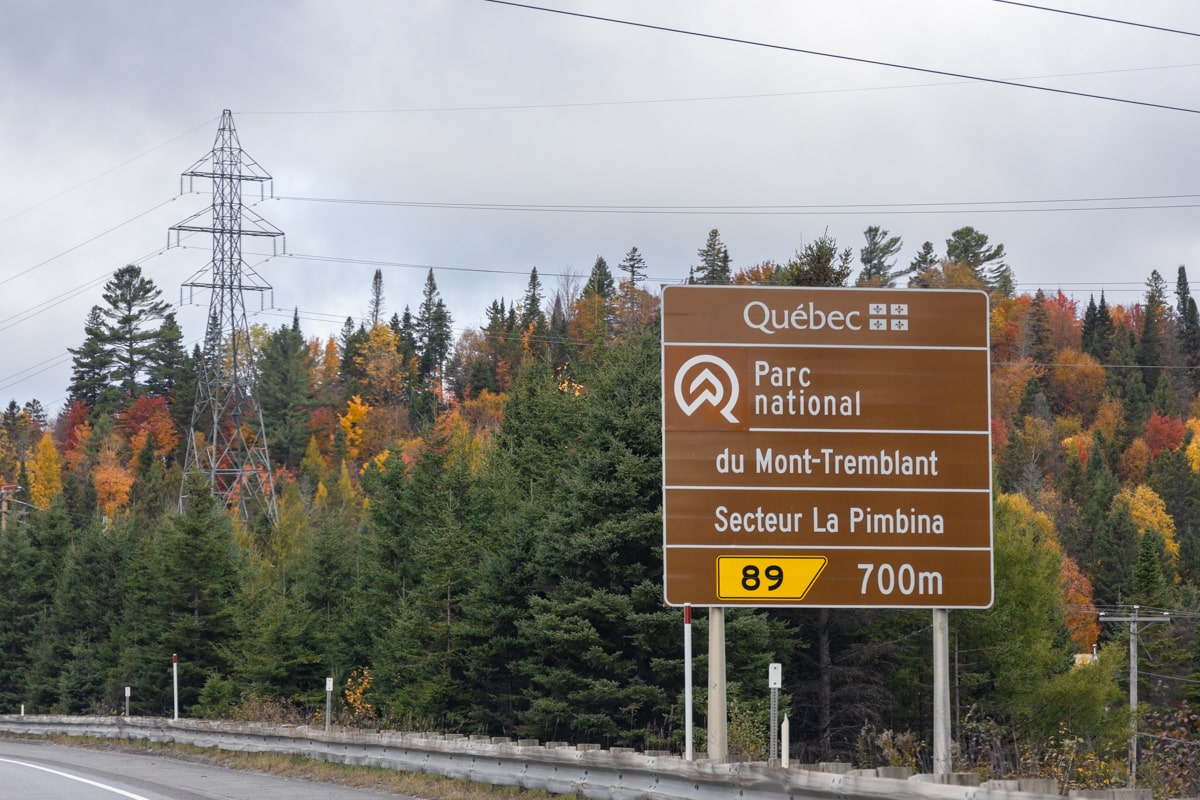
175, 681
328, 701
127, 689
687, 681
774, 683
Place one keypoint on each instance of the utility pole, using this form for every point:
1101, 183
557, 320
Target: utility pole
1133, 621
227, 440
6, 492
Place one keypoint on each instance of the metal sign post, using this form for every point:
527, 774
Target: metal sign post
774, 683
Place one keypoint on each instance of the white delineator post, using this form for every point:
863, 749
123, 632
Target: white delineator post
328, 702
175, 681
688, 729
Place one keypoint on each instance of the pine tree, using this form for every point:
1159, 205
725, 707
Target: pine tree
878, 259
129, 332
925, 259
714, 266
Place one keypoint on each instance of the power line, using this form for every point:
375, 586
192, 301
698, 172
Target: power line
854, 59
108, 171
834, 209
85, 242
693, 99
1099, 18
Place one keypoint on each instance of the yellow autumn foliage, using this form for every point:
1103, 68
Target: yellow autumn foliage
45, 472
352, 424
1149, 512
1193, 448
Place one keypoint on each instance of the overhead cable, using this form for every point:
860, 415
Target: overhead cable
854, 59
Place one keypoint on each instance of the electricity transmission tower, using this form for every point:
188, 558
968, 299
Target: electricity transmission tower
227, 440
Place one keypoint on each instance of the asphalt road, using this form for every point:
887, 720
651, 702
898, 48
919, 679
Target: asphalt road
35, 771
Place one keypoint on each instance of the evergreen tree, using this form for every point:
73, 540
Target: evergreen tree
433, 332
1149, 586
1041, 348
819, 264
92, 363
128, 330
714, 266
925, 259
878, 259
1115, 552
1150, 346
168, 364
969, 247
634, 266
375, 309
284, 387
194, 591
600, 282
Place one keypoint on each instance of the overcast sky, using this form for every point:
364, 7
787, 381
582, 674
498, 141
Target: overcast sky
104, 103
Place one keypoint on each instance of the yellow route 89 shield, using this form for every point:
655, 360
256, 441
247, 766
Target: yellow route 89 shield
767, 577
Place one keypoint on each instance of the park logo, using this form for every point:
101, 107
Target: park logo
707, 380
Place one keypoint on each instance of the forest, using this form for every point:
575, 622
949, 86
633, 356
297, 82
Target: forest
469, 532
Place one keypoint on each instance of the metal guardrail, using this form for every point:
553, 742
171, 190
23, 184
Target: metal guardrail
573, 770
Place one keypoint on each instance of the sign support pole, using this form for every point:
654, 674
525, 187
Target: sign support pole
688, 730
941, 691
328, 703
718, 723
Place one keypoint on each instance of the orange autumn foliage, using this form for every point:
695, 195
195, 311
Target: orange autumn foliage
1081, 610
149, 415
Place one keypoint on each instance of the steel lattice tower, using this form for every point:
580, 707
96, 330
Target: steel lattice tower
228, 441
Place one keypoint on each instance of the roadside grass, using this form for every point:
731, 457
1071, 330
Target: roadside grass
413, 784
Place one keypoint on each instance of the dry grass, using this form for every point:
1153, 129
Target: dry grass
413, 784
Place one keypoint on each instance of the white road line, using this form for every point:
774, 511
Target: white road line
69, 776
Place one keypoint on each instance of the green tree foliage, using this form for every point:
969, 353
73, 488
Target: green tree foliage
1151, 344
634, 266
128, 330
285, 387
714, 266
819, 263
878, 259
924, 260
969, 247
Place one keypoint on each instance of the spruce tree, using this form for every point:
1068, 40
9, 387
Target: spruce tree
634, 266
92, 363
1150, 346
714, 266
600, 281
284, 386
820, 263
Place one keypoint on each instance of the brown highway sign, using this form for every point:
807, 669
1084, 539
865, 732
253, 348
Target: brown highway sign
826, 447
